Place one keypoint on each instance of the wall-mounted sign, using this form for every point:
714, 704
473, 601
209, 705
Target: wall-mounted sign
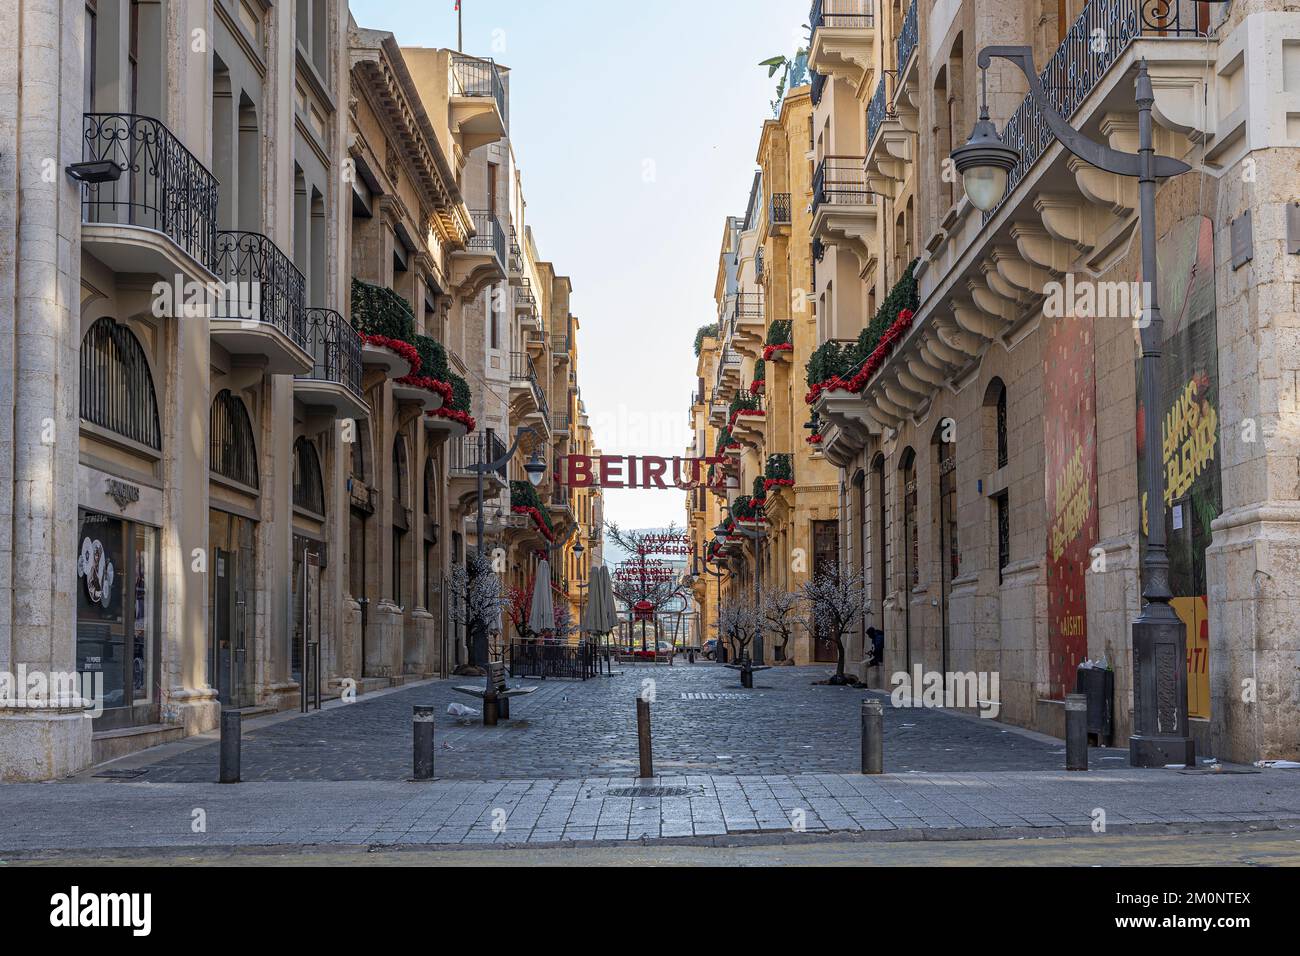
638, 471
122, 493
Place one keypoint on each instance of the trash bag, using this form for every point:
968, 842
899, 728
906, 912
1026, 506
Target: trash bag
877, 646
460, 710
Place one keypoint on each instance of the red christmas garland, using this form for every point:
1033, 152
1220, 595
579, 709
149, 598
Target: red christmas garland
770, 350
770, 483
428, 384
874, 361
747, 412
754, 387
452, 414
405, 349
814, 439
537, 520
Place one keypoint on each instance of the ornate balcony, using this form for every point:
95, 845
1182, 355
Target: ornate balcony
844, 206
891, 139
160, 216
527, 397
843, 32
478, 101
260, 319
462, 455
778, 214
334, 382
749, 323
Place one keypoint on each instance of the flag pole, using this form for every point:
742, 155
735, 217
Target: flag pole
460, 27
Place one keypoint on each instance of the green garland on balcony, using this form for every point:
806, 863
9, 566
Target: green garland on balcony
744, 509
744, 402
704, 332
433, 358
835, 359
525, 500
778, 333
780, 468
461, 396
724, 440
380, 311
760, 492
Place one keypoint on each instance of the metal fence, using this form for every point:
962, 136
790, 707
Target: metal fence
263, 280
474, 77
841, 181
842, 14
562, 661
488, 236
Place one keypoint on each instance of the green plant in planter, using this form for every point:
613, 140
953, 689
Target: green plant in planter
780, 468
704, 332
744, 402
433, 358
743, 509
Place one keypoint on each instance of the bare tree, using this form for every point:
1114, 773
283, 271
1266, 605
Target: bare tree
834, 602
779, 612
739, 622
478, 600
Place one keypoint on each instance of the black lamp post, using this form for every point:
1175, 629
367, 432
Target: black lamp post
1160, 735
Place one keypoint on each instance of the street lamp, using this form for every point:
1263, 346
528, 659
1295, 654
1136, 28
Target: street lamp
720, 650
1160, 735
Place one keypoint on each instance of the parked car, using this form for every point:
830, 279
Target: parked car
710, 648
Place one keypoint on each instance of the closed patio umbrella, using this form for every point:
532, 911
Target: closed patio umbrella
541, 616
608, 607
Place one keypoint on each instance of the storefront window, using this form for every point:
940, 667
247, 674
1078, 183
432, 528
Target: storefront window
117, 611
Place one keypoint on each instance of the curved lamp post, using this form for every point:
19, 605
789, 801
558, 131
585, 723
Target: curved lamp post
1160, 732
720, 650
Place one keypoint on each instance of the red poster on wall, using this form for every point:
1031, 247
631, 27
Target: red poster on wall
1070, 441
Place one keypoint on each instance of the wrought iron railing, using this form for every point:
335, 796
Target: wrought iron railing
760, 259
907, 39
522, 369
488, 235
877, 110
749, 307
163, 186
516, 253
841, 181
264, 284
560, 423
335, 348
560, 343
1093, 44
475, 77
779, 209
524, 294
560, 661
730, 357
465, 455
843, 14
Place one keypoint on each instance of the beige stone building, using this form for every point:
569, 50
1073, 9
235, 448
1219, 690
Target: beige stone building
239, 229
988, 449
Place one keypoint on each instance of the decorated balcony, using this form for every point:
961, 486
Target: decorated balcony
984, 276
892, 123
527, 397
778, 345
843, 34
748, 320
386, 325
260, 320
748, 420
844, 206
464, 453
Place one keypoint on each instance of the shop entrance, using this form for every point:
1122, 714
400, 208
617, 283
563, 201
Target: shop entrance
232, 647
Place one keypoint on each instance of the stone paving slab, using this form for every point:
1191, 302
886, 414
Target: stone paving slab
703, 723
82, 816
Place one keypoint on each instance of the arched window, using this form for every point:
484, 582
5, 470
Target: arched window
430, 488
308, 486
233, 453
995, 421
116, 387
360, 452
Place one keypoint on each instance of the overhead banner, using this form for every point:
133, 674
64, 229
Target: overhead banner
639, 471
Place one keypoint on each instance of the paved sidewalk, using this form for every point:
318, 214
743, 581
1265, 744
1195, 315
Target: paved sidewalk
703, 723
79, 816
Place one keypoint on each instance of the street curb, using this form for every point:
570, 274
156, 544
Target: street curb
739, 839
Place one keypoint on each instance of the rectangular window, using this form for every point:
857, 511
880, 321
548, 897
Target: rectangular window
1004, 532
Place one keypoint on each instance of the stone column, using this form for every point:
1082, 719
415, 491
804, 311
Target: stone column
40, 134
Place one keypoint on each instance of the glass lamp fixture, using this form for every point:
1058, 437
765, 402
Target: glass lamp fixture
985, 162
536, 468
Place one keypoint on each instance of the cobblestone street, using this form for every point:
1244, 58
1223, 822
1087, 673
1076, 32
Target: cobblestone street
703, 722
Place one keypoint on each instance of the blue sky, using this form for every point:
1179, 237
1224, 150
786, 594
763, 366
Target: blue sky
636, 128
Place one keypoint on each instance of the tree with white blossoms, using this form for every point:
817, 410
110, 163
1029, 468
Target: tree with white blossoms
739, 623
779, 611
478, 600
834, 602
564, 626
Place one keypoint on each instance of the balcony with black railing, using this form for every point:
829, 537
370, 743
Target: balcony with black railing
334, 381
527, 396
844, 206
778, 210
260, 311
842, 36
464, 457
905, 44
478, 101
161, 188
484, 258
841, 181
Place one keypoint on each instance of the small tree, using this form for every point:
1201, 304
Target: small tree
834, 601
564, 626
779, 611
479, 600
739, 622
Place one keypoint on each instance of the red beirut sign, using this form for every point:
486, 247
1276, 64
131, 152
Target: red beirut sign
633, 471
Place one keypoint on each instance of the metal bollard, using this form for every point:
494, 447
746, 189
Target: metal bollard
1076, 732
490, 711
423, 740
231, 730
643, 736
873, 736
